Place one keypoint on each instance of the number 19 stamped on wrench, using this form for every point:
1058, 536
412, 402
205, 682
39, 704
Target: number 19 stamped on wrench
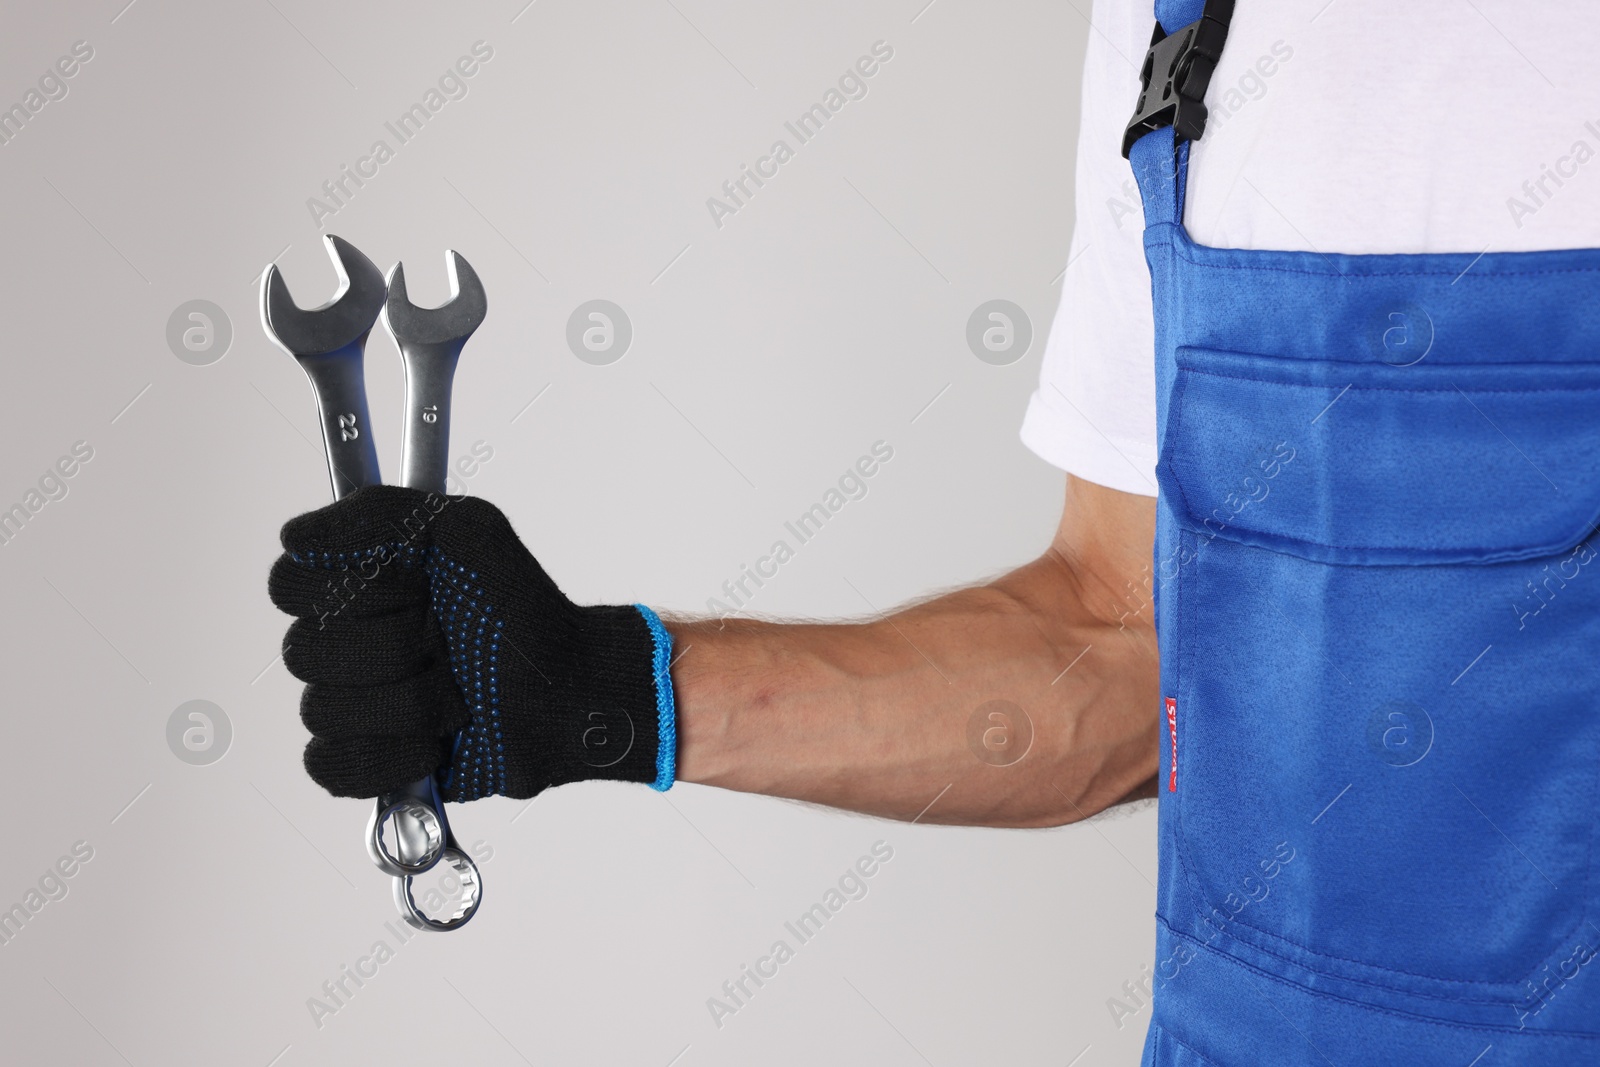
329, 343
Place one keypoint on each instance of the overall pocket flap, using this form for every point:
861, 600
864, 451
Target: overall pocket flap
1367, 463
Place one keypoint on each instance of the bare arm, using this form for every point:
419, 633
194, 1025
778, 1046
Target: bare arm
876, 717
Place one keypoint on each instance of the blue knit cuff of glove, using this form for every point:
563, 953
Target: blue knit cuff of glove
666, 708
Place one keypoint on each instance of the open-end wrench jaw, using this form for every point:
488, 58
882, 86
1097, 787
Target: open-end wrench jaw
343, 321
454, 320
430, 342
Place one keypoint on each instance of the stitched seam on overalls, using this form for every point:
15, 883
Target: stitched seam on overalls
1354, 276
1164, 1034
1388, 389
1426, 1020
1485, 557
1372, 983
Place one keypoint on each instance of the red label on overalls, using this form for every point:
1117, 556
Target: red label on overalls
1172, 735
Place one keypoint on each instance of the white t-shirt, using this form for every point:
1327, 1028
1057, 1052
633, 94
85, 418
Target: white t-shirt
1335, 126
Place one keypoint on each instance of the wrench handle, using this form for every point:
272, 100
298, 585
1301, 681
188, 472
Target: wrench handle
336, 378
425, 448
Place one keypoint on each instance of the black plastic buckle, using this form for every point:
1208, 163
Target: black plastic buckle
1177, 70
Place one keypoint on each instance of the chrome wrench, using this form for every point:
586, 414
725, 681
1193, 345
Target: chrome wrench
329, 343
430, 342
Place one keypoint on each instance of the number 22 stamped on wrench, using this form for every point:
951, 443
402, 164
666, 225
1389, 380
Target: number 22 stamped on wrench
329, 343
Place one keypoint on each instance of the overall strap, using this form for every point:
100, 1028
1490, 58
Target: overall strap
1171, 111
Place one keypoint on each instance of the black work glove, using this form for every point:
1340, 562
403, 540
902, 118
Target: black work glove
430, 640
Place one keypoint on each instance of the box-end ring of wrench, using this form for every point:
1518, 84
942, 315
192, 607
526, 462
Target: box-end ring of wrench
329, 343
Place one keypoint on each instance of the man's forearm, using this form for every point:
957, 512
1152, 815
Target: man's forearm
878, 717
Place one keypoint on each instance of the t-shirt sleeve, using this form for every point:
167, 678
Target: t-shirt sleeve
1093, 414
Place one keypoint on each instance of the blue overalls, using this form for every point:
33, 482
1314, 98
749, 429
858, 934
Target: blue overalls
1378, 605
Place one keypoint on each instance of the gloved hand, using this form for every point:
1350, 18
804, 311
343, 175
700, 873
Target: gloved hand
429, 637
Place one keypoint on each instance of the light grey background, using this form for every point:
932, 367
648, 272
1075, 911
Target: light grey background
829, 313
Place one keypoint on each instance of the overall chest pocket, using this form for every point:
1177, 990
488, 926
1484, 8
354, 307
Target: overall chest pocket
1388, 663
